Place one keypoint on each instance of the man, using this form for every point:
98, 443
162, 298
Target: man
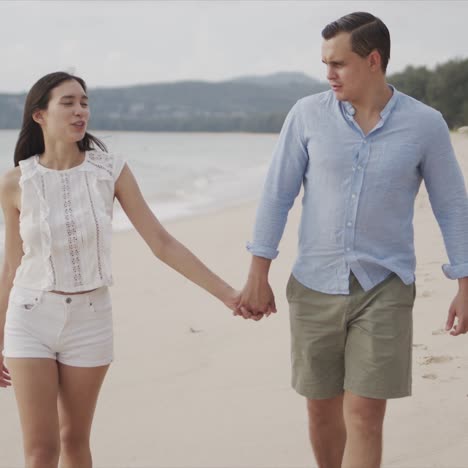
360, 151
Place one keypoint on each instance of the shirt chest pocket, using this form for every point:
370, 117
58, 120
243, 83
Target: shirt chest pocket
393, 166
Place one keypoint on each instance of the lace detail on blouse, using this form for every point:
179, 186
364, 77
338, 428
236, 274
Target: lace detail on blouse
71, 231
102, 161
51, 262
96, 222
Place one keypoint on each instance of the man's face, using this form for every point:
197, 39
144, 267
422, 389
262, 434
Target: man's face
348, 73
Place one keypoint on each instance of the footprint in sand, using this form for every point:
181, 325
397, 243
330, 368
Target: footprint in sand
430, 376
428, 278
436, 360
450, 379
425, 293
420, 346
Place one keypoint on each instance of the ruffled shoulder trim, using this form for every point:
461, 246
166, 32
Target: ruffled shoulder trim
106, 165
28, 168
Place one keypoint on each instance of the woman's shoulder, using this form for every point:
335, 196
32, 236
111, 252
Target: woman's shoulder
9, 182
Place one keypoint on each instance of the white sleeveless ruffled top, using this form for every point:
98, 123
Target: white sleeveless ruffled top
66, 224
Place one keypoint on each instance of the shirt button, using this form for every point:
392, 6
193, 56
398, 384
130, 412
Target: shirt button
350, 223
359, 167
353, 195
347, 249
68, 300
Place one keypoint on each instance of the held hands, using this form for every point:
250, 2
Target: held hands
458, 309
256, 299
231, 299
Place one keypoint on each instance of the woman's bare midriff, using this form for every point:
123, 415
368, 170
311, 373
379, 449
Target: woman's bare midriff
72, 293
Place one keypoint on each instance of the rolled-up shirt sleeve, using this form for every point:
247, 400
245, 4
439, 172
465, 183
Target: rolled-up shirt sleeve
282, 185
447, 193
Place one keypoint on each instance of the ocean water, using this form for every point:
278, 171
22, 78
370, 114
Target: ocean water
181, 174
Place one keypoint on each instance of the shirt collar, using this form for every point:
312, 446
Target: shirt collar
349, 110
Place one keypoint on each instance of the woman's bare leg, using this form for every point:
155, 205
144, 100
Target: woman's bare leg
35, 382
78, 393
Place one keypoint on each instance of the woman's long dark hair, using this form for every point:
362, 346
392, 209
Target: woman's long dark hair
31, 140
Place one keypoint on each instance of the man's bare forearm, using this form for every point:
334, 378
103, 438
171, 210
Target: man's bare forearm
259, 268
463, 284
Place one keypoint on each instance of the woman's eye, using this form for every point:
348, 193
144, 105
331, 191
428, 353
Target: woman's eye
84, 104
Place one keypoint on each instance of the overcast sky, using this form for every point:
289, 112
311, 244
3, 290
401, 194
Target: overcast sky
112, 43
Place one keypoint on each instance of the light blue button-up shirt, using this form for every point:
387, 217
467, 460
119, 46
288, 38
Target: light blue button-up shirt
359, 192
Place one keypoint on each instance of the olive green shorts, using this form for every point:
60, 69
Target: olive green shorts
361, 342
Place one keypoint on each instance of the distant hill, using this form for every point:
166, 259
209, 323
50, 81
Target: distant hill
280, 79
246, 104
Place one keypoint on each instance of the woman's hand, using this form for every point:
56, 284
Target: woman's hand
232, 299
5, 379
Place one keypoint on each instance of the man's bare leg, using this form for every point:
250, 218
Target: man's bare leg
364, 428
327, 431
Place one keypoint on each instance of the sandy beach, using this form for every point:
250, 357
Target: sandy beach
193, 386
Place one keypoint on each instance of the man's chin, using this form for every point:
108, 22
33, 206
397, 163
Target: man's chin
340, 96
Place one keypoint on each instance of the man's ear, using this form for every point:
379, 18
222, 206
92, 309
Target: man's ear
374, 60
38, 117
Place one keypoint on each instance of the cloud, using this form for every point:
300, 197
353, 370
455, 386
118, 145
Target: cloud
119, 43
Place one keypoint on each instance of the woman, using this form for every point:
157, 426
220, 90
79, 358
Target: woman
55, 307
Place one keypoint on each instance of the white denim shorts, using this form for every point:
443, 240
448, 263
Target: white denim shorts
75, 330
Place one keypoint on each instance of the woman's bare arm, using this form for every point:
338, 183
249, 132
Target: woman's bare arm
13, 250
166, 247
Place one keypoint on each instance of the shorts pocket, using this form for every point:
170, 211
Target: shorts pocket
100, 302
25, 300
289, 287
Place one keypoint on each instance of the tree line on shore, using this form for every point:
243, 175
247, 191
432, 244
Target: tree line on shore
445, 88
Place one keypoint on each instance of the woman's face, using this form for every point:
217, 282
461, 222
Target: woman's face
67, 114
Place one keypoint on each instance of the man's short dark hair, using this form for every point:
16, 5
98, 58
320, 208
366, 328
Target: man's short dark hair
368, 33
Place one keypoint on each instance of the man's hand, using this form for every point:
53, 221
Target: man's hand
458, 309
257, 299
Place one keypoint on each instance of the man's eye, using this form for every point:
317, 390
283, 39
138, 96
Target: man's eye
68, 103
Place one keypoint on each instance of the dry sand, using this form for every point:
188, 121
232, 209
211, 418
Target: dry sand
193, 386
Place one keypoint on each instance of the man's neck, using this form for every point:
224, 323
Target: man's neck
374, 101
